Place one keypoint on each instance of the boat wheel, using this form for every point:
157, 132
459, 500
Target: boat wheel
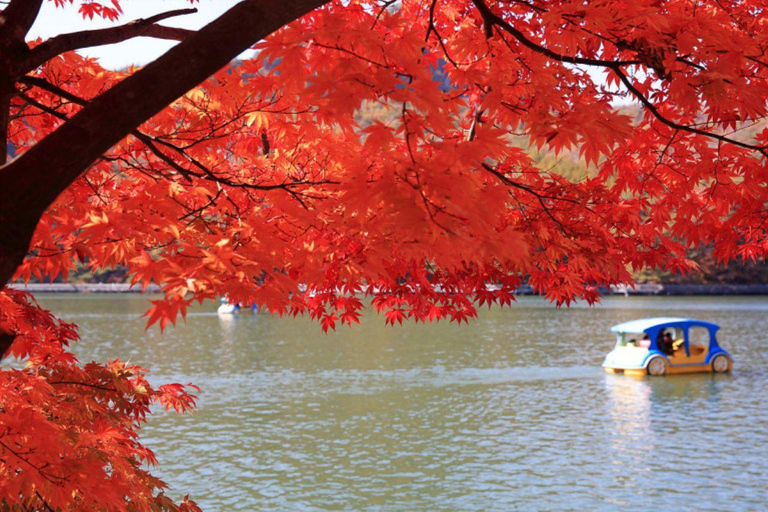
720, 364
657, 366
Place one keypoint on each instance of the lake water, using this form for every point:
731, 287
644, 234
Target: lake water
510, 412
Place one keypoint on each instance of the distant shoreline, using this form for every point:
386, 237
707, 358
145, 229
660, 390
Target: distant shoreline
690, 289
644, 289
84, 288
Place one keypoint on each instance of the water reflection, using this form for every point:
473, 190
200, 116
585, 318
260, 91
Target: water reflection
630, 409
228, 324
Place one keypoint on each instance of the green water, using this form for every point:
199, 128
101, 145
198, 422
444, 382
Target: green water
510, 412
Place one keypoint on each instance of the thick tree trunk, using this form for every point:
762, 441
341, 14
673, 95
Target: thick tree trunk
13, 251
11, 21
6, 340
15, 21
30, 183
6, 88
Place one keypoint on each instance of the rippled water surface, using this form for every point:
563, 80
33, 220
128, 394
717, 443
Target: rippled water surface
512, 411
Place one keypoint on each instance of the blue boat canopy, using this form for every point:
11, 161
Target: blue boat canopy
644, 324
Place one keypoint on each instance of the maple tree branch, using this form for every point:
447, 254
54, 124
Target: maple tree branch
433, 28
152, 143
149, 142
735, 19
6, 340
618, 43
264, 142
385, 5
18, 17
209, 175
15, 21
54, 479
47, 506
491, 19
30, 183
539, 197
85, 384
6, 93
146, 139
169, 33
530, 5
677, 126
196, 213
87, 38
350, 52
53, 89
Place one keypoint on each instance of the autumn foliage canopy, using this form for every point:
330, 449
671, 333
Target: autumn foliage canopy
378, 152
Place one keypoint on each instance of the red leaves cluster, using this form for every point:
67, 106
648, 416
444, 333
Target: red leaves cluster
69, 432
100, 9
266, 178
91, 8
269, 185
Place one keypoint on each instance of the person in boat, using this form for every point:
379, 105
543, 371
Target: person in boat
665, 342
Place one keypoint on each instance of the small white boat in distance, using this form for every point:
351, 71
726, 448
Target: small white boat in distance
226, 308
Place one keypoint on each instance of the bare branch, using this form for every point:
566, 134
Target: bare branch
87, 38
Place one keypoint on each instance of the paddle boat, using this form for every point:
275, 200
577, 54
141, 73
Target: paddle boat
228, 308
662, 346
